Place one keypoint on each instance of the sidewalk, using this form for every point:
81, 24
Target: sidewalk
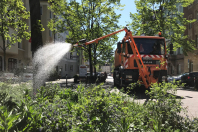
62, 82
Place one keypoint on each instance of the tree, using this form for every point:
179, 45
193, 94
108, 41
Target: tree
12, 24
36, 30
36, 34
163, 16
87, 20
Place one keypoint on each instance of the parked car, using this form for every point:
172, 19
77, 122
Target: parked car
169, 78
172, 78
176, 78
101, 77
189, 78
179, 77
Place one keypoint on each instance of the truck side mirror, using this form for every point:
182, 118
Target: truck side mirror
171, 48
119, 47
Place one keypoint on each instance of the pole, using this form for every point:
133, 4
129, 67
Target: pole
66, 80
86, 80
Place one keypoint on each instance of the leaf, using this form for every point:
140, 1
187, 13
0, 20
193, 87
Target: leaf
172, 26
88, 20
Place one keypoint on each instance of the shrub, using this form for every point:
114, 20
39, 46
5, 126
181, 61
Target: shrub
95, 109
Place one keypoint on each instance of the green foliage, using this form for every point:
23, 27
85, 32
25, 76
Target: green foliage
13, 25
150, 19
39, 26
88, 20
12, 18
96, 109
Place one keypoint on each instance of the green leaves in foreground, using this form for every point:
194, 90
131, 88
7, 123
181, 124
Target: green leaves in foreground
97, 109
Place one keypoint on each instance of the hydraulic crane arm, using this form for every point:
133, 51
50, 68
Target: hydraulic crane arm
96, 40
128, 37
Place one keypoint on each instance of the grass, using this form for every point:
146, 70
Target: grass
90, 109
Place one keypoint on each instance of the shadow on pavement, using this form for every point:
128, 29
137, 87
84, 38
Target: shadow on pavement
189, 89
139, 93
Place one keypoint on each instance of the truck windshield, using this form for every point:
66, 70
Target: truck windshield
150, 46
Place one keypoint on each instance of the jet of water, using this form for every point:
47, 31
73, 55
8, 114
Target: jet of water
46, 59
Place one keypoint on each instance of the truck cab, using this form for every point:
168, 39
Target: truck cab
152, 50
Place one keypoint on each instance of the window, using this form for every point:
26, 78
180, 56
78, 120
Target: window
65, 67
19, 45
71, 56
197, 15
196, 40
178, 51
181, 50
1, 63
12, 64
150, 46
41, 10
180, 8
191, 67
50, 33
71, 67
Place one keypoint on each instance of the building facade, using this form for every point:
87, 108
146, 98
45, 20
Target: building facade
191, 61
19, 56
69, 63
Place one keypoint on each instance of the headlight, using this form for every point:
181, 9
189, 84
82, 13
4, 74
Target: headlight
121, 67
128, 76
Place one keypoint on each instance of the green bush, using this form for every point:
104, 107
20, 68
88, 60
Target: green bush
93, 109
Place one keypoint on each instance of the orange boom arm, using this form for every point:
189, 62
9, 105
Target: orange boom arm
144, 75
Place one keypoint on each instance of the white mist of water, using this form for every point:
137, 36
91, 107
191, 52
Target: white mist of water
46, 59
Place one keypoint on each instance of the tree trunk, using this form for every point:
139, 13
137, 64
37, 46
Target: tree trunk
36, 34
4, 55
90, 61
95, 60
4, 58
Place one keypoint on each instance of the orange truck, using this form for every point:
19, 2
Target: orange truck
152, 57
137, 58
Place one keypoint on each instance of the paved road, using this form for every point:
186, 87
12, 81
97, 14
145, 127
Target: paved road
190, 97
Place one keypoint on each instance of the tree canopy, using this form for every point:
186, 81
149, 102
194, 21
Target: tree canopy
88, 19
155, 16
13, 26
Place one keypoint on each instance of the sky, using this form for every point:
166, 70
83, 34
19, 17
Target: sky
129, 7
125, 15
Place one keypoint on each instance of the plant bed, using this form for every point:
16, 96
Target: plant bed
90, 109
